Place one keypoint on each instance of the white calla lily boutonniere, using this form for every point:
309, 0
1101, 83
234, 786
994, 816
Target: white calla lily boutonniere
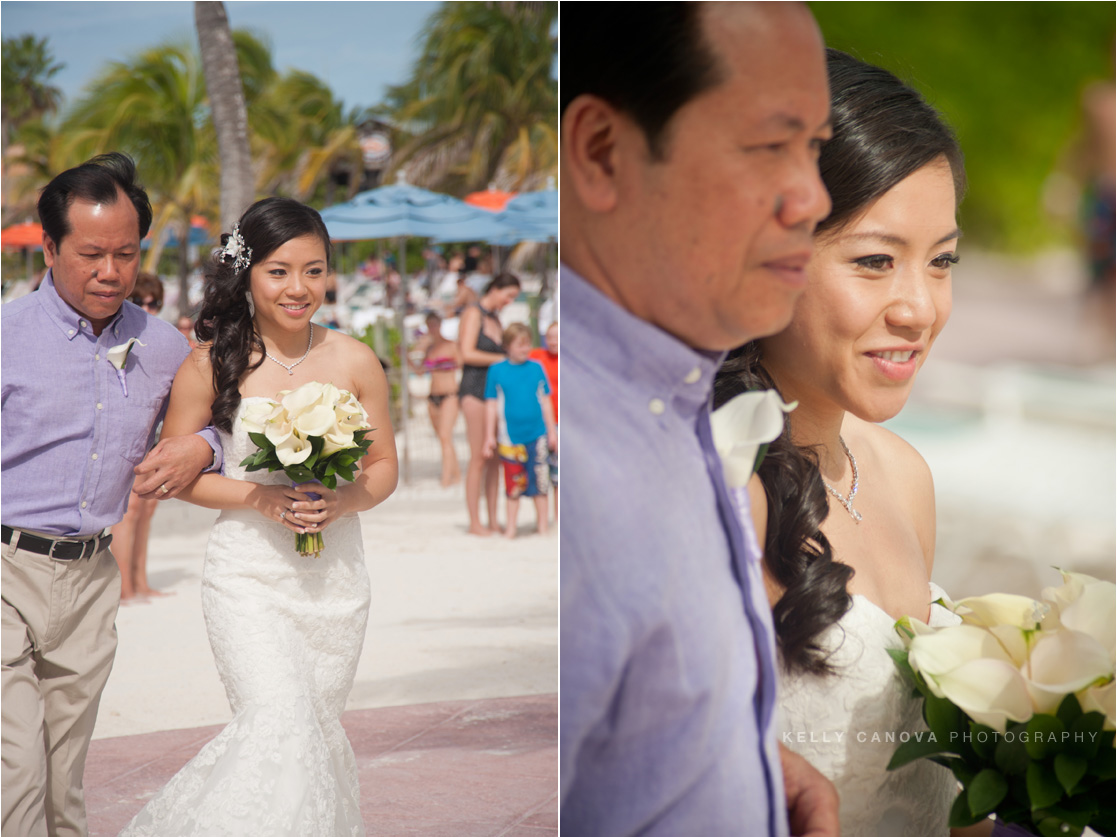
743, 427
118, 356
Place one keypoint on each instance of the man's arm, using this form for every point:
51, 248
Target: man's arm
812, 801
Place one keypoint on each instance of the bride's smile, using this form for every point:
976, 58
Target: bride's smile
289, 286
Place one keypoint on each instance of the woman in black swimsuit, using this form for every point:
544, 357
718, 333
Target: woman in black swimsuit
479, 335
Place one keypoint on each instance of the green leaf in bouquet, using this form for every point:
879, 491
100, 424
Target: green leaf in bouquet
960, 815
900, 659
1010, 756
1079, 811
1086, 735
1069, 770
985, 792
330, 481
1044, 789
1104, 821
346, 473
1045, 733
261, 441
1068, 710
942, 716
983, 739
330, 469
916, 748
962, 771
1056, 827
1102, 765
299, 473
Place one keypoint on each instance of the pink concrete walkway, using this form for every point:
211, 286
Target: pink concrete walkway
471, 768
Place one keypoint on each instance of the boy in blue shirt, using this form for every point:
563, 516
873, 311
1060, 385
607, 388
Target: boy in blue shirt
519, 425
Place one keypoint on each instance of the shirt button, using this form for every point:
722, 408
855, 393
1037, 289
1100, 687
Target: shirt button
692, 376
84, 504
70, 332
94, 456
100, 406
97, 357
83, 323
657, 406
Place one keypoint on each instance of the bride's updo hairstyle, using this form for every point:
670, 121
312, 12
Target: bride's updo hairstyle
226, 321
883, 132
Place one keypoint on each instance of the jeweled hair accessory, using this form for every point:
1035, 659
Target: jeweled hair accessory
235, 251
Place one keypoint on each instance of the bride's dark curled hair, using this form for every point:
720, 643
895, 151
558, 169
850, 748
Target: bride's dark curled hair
225, 320
883, 132
796, 553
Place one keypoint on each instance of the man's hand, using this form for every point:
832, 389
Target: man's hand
812, 801
172, 464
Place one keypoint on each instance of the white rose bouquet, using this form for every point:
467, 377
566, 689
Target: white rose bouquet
1019, 701
315, 433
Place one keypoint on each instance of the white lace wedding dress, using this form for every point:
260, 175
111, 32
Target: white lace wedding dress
286, 633
849, 724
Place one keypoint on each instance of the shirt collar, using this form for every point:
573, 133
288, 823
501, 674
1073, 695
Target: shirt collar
635, 350
69, 321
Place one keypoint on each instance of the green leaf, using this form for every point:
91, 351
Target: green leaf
962, 771
986, 791
330, 468
942, 716
983, 739
1102, 765
330, 481
1068, 710
1043, 788
1045, 732
1011, 757
1055, 827
915, 748
960, 815
261, 441
1086, 735
1076, 811
1069, 770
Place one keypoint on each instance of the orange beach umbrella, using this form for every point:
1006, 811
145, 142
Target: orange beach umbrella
20, 236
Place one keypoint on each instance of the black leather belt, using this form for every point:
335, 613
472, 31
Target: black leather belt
64, 550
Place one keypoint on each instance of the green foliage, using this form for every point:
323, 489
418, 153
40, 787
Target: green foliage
1008, 76
1052, 773
25, 91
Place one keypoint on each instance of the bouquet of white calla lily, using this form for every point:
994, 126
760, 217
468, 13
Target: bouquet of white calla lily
315, 433
742, 427
1019, 700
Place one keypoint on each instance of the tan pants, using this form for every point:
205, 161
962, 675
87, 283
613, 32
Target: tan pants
59, 640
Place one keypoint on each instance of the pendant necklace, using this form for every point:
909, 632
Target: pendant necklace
291, 371
847, 502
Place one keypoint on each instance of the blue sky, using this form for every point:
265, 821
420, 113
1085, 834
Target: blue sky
357, 47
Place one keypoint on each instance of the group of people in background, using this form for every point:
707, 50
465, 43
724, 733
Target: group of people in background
508, 393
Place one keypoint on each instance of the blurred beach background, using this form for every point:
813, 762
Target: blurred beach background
1014, 410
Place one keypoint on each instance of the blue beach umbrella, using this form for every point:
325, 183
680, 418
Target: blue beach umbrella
532, 216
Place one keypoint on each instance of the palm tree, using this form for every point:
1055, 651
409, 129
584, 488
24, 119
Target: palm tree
230, 117
303, 136
25, 94
481, 107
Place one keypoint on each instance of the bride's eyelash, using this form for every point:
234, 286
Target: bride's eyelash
945, 260
878, 261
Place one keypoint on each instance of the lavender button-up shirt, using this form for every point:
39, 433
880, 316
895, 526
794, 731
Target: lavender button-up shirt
70, 438
667, 654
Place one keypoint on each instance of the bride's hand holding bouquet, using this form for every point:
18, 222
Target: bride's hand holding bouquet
314, 434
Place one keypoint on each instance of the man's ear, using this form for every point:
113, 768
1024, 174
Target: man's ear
591, 131
50, 250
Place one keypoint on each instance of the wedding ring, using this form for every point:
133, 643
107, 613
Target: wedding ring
163, 489
284, 515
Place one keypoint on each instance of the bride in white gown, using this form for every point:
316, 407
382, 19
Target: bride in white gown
844, 508
286, 630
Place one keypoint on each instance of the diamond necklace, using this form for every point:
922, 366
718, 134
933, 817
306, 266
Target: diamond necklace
291, 371
847, 502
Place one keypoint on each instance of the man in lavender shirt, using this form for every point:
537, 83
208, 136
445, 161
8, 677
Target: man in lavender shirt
73, 431
690, 190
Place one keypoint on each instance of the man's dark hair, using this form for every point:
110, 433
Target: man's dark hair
645, 59
97, 181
